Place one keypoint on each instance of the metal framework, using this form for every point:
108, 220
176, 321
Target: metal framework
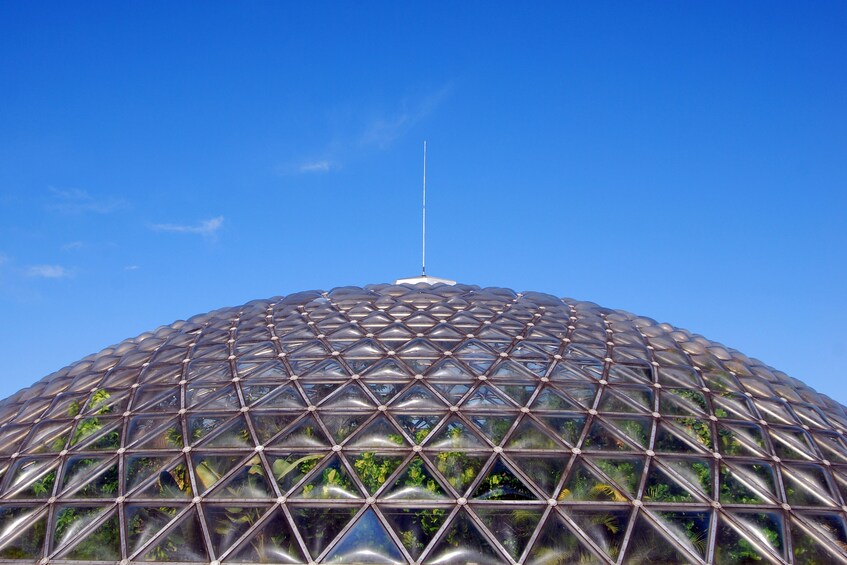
422, 424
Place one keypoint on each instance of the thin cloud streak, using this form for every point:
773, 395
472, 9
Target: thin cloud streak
204, 228
76, 201
382, 132
322, 166
47, 271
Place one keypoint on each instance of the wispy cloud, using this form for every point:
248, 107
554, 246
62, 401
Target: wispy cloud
321, 166
72, 245
204, 228
385, 130
132, 268
47, 271
76, 201
353, 140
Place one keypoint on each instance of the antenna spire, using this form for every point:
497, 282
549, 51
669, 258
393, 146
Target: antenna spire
423, 223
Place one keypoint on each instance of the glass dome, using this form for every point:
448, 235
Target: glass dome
418, 423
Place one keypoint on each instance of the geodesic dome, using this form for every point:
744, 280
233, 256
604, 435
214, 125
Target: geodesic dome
421, 423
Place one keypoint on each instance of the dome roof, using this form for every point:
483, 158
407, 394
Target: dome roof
421, 423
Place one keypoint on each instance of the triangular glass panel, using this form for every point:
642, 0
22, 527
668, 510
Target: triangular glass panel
601, 438
568, 426
671, 440
420, 322
520, 394
273, 542
97, 434
101, 481
626, 473
332, 482
463, 543
310, 350
418, 397
384, 392
201, 425
451, 391
695, 473
661, 487
249, 482
415, 526
101, 544
374, 469
583, 394
749, 538
395, 332
417, 426
157, 399
631, 400
420, 348
741, 439
745, 483
806, 485
556, 544
792, 443
320, 525
140, 468
348, 397
304, 433
289, 468
500, 483
209, 469
455, 435
269, 424
22, 533
512, 527
678, 376
227, 523
379, 433
458, 468
70, 520
416, 482
366, 542
341, 425
682, 402
272, 371
316, 392
584, 484
474, 349
181, 543
326, 370
509, 371
525, 350
448, 369
529, 435
698, 432
233, 434
818, 538
143, 522
630, 374
212, 397
364, 349
346, 332
388, 370
171, 482
690, 529
650, 545
493, 426
569, 371
154, 432
605, 527
486, 396
445, 332
552, 399
544, 471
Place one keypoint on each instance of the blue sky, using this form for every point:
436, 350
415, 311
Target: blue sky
684, 161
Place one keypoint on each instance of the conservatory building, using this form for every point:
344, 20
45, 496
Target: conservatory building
421, 423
